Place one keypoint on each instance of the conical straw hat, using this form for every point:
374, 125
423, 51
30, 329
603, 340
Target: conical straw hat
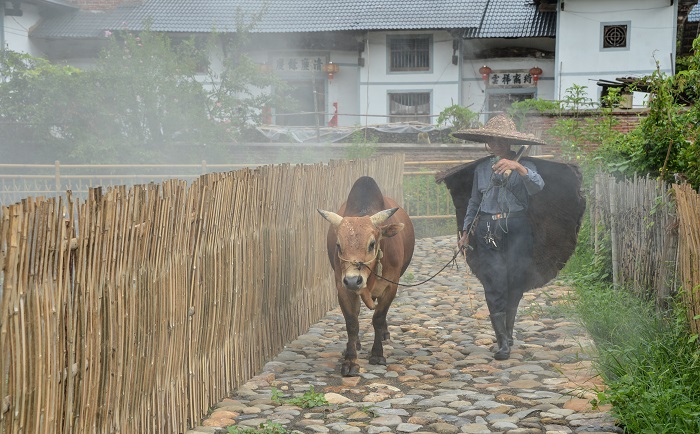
499, 129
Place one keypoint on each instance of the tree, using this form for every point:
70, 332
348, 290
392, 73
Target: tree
144, 100
665, 144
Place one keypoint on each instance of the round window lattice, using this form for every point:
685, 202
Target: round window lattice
615, 36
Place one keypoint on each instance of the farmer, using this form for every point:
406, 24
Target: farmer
496, 219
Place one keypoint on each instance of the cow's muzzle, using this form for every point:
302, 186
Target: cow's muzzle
354, 282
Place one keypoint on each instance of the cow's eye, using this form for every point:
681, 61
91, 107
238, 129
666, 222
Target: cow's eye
371, 247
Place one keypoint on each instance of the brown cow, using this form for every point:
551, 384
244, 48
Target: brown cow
358, 240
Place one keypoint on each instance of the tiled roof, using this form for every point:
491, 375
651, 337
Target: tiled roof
282, 16
504, 18
82, 24
514, 19
694, 15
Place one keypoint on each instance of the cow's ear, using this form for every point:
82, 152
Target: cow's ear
389, 231
332, 217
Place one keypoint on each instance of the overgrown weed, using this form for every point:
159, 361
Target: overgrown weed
648, 360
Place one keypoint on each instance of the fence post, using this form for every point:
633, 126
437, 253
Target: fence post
597, 204
613, 229
204, 167
57, 165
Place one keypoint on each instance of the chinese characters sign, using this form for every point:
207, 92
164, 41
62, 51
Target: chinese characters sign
298, 64
510, 79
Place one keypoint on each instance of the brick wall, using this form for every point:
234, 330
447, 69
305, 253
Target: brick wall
102, 4
539, 124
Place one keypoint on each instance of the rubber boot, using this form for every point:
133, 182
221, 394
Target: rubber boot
510, 324
498, 322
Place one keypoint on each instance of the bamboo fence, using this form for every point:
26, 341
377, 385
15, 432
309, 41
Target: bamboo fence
653, 231
138, 308
689, 250
639, 217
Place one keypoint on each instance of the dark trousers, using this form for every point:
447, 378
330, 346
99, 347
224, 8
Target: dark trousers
502, 263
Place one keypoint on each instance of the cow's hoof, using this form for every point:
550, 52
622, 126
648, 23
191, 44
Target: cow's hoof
386, 335
350, 369
377, 360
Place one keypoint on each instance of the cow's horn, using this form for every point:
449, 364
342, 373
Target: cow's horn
382, 216
332, 217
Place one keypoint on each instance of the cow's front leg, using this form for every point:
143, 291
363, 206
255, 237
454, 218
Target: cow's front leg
350, 306
381, 328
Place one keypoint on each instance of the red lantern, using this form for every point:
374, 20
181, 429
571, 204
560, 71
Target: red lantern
485, 71
331, 68
535, 73
265, 68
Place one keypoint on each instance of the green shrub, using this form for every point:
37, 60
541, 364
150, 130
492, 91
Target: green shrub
666, 142
458, 117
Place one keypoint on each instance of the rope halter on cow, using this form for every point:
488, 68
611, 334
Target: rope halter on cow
378, 255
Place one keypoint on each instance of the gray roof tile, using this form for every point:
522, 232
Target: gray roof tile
514, 19
282, 16
504, 18
82, 24
694, 14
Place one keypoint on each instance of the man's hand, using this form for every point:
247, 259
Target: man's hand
505, 165
463, 243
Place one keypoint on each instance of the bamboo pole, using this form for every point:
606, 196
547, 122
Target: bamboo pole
613, 233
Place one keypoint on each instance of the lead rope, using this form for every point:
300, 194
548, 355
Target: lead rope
452, 261
378, 273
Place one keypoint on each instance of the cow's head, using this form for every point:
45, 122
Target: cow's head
357, 244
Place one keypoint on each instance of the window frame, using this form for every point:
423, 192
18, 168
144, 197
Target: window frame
416, 117
409, 70
605, 25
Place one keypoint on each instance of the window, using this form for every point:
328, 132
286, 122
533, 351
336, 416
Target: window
615, 36
405, 107
409, 53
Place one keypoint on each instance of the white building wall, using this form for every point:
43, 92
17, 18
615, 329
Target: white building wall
580, 57
17, 28
376, 82
343, 89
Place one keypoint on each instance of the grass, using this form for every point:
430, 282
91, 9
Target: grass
264, 428
309, 399
648, 360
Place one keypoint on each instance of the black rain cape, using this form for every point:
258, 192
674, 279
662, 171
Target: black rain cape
555, 214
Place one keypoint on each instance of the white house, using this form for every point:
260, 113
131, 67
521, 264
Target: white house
396, 60
19, 17
603, 39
